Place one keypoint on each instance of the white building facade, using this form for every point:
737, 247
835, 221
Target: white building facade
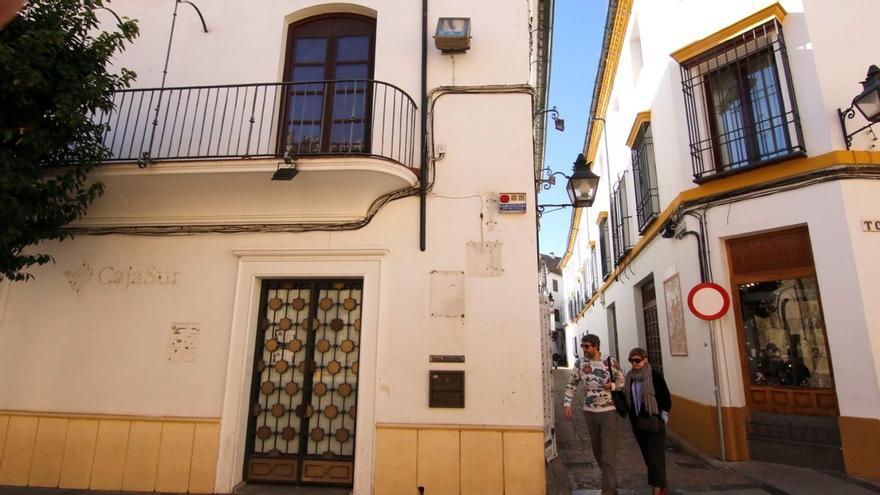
209, 326
723, 160
555, 290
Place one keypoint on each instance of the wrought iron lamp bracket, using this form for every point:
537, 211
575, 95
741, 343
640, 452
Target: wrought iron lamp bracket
544, 208
850, 113
550, 181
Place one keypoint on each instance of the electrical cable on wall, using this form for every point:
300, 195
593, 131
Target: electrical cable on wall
472, 196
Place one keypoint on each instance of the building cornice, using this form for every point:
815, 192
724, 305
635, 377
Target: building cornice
613, 43
732, 185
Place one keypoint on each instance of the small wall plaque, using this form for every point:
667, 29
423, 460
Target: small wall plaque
446, 358
183, 343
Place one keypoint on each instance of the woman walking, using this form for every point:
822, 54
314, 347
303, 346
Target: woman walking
648, 399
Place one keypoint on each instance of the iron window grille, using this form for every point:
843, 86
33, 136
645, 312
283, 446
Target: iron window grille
645, 176
740, 104
594, 271
585, 285
620, 220
605, 248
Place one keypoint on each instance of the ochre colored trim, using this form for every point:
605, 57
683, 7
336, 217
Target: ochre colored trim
697, 423
121, 417
783, 170
640, 119
860, 442
592, 244
429, 426
612, 58
775, 11
108, 452
601, 217
572, 237
454, 460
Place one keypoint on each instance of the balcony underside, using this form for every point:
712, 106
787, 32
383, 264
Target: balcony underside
241, 192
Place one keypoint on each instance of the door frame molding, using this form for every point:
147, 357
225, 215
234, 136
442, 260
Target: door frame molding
256, 265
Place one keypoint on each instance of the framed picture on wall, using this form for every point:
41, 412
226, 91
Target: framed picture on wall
675, 316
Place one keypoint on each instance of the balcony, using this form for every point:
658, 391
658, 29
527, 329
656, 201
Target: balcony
204, 155
265, 120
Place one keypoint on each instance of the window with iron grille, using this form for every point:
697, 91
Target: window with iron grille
740, 104
645, 175
594, 269
620, 220
605, 248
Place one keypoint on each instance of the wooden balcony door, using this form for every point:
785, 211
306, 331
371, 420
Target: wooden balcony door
330, 63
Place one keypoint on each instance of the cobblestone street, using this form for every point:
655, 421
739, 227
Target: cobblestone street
575, 472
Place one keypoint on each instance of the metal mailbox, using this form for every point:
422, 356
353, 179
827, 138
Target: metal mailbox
446, 389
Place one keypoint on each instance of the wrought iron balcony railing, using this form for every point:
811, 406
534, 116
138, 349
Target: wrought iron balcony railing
264, 120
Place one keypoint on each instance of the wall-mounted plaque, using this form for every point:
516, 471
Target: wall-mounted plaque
446, 358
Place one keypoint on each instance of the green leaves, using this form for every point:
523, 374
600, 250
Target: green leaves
53, 76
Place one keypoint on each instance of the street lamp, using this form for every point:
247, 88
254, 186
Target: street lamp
867, 102
581, 187
582, 184
558, 123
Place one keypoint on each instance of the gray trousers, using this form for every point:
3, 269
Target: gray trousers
603, 427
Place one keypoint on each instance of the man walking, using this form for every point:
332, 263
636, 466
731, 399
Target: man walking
599, 412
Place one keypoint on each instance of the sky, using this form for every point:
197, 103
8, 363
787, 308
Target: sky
577, 41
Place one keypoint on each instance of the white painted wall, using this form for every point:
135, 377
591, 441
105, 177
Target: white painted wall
100, 349
828, 55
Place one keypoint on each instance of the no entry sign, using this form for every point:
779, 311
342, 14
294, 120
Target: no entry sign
708, 301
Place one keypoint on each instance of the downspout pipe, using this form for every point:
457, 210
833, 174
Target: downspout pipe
706, 276
423, 165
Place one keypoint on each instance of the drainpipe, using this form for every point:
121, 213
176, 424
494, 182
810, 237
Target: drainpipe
423, 166
706, 276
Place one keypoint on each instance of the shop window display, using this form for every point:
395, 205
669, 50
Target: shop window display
785, 333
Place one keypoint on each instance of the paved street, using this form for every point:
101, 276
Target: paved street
574, 472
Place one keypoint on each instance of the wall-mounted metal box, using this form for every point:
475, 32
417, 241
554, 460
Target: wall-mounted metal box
446, 388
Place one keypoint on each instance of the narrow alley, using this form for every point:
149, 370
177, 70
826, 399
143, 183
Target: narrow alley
575, 472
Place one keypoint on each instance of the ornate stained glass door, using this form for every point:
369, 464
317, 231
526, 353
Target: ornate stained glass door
304, 394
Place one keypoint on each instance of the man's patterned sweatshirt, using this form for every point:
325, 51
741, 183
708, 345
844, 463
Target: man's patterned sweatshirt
594, 374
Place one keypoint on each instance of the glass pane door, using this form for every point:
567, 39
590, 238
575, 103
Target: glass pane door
785, 333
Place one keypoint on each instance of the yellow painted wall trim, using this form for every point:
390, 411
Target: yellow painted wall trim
783, 170
101, 452
601, 217
775, 11
593, 245
860, 442
697, 424
612, 58
124, 417
470, 460
419, 426
573, 230
640, 119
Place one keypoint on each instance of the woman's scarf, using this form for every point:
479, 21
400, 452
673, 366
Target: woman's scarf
648, 398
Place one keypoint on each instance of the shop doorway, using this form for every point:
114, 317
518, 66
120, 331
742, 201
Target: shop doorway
787, 371
304, 385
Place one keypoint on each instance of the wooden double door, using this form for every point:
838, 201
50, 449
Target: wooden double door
304, 388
